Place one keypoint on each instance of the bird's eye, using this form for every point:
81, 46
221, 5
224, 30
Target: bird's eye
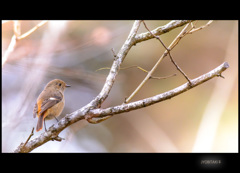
59, 84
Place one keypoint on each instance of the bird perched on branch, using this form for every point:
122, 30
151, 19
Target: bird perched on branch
50, 102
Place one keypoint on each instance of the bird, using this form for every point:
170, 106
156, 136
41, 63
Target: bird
50, 102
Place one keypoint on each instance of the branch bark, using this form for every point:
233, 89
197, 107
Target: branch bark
78, 115
92, 110
116, 66
95, 113
82, 113
160, 30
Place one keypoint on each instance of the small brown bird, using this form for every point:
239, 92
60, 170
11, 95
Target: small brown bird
50, 102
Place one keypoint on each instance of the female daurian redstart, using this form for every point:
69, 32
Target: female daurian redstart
50, 102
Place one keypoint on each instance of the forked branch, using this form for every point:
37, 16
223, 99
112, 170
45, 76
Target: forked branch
183, 33
100, 113
92, 111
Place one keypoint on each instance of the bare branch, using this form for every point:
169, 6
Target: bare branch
9, 50
95, 113
170, 47
201, 27
183, 33
161, 30
31, 30
103, 114
17, 36
168, 51
116, 66
92, 111
17, 28
54, 130
165, 77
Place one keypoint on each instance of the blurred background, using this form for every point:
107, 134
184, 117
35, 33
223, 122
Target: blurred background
203, 119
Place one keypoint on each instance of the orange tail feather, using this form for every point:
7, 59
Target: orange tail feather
40, 123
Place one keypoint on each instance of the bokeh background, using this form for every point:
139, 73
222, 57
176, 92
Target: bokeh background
203, 119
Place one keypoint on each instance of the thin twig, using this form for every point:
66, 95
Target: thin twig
151, 77
179, 69
124, 68
101, 113
140, 68
130, 41
201, 27
183, 33
10, 49
168, 51
32, 30
166, 77
160, 30
29, 137
17, 28
174, 42
17, 36
82, 113
91, 110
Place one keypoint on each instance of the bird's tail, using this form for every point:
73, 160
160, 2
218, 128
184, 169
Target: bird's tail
40, 123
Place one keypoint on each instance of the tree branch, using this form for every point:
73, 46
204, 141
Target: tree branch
183, 33
69, 119
17, 36
174, 42
95, 113
119, 58
81, 114
160, 30
92, 110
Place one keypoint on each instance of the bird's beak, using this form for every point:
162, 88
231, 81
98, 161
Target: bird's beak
68, 85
